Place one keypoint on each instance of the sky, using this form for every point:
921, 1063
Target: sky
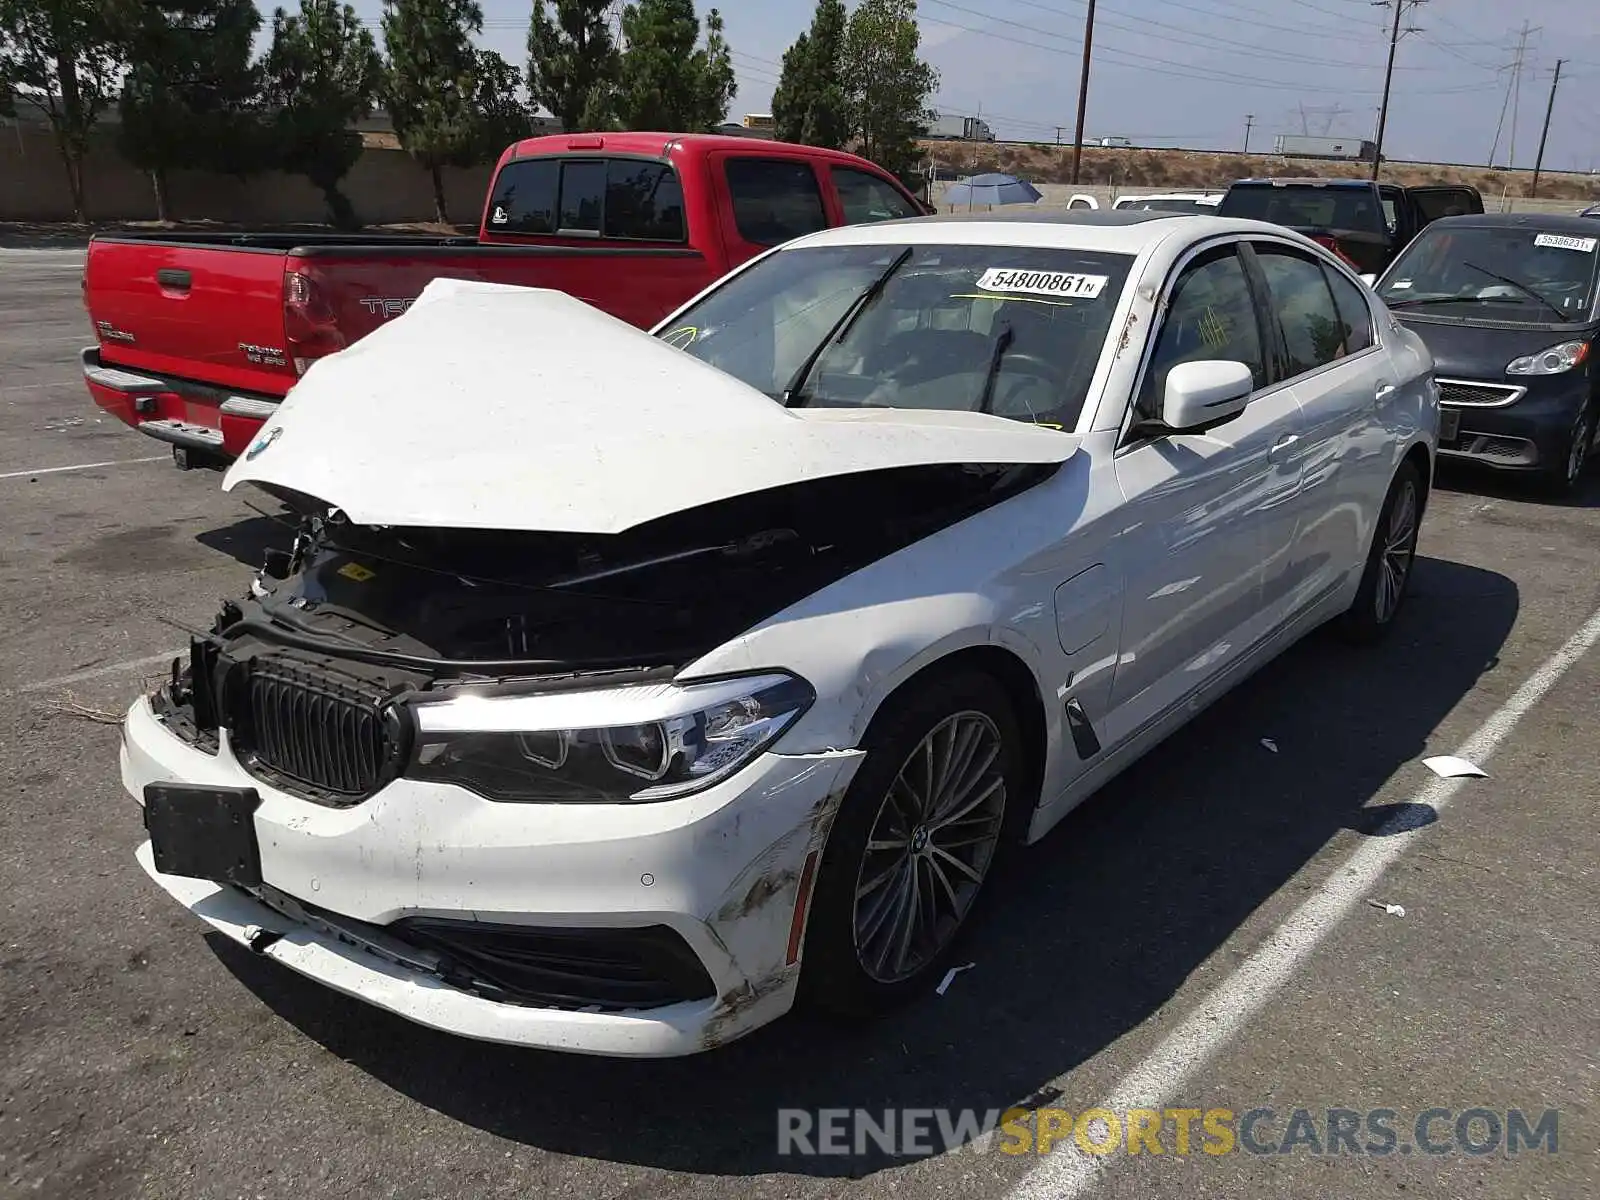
1190, 72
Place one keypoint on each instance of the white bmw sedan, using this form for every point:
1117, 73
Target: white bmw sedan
622, 689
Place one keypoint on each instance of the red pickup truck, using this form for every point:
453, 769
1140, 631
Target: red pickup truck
200, 336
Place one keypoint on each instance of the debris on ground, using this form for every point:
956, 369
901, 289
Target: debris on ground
1394, 910
1448, 766
1270, 744
71, 708
949, 977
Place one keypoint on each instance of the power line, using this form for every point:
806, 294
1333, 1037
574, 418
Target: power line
1177, 70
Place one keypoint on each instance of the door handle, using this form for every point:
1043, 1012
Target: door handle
1385, 390
171, 277
1283, 445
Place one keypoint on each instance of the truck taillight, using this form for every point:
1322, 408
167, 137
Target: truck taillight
308, 322
1333, 244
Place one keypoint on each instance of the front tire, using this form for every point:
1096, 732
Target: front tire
1389, 561
1562, 478
912, 845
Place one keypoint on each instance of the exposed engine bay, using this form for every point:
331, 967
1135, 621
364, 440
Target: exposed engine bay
352, 620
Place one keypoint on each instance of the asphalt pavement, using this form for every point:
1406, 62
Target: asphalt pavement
1219, 929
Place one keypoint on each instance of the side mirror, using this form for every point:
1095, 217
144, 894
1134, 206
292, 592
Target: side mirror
1369, 280
1200, 395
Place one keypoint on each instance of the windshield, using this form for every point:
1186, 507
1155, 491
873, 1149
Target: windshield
1009, 330
1307, 206
1514, 273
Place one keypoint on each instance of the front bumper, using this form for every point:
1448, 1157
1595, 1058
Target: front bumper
187, 415
1528, 434
722, 869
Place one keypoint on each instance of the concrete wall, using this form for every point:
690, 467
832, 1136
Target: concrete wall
385, 186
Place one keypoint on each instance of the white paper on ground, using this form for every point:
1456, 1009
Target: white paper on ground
1448, 766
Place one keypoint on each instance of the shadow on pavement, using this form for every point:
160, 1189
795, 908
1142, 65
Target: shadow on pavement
1470, 479
1087, 936
248, 539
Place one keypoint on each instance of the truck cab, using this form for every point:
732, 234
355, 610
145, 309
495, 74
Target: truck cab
1366, 223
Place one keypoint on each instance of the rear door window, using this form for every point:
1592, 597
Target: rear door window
865, 198
622, 198
1303, 304
1354, 314
1435, 202
774, 199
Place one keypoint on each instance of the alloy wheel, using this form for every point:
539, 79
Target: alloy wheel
930, 846
1399, 549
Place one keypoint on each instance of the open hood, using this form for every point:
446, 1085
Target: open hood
495, 407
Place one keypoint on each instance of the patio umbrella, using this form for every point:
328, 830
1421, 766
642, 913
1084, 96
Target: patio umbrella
991, 189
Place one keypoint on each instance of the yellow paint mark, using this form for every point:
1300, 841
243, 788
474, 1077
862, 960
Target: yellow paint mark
356, 572
1008, 298
1213, 328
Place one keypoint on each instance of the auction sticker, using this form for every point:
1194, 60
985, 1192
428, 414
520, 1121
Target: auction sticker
1043, 283
1562, 242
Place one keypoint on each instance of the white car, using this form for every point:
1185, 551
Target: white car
622, 688
1172, 202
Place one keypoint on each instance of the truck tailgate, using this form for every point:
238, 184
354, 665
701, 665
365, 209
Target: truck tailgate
361, 288
212, 314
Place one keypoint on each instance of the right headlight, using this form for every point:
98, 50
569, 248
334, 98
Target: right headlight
1553, 361
604, 746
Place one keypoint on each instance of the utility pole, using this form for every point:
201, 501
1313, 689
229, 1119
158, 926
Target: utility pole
1249, 120
1388, 75
1059, 128
1083, 91
1516, 99
1512, 86
1550, 108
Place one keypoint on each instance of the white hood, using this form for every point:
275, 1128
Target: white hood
494, 407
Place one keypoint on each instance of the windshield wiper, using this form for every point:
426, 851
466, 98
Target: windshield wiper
1413, 301
841, 327
1001, 345
1519, 285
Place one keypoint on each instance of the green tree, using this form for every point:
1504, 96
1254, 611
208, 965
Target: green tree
573, 62
190, 98
890, 84
812, 104
321, 76
65, 58
439, 84
668, 80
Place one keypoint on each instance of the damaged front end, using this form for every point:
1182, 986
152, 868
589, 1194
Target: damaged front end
316, 676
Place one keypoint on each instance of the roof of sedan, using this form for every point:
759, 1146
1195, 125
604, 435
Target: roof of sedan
1114, 231
1571, 223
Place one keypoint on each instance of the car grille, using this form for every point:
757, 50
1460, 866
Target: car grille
613, 970
315, 734
1478, 395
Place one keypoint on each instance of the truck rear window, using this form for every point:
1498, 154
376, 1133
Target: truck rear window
774, 199
624, 198
1306, 207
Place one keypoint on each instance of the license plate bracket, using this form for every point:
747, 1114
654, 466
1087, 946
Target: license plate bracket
204, 832
1449, 425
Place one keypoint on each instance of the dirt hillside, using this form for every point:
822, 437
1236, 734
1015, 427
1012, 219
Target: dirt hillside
1195, 169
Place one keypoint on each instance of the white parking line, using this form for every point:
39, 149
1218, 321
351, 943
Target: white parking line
121, 462
1222, 1014
133, 664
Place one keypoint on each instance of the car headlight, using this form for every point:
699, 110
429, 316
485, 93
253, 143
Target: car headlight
616, 745
1550, 362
